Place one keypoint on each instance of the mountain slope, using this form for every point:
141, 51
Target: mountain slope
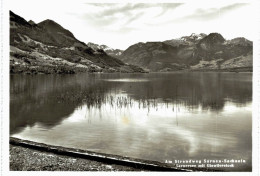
110, 51
197, 51
47, 47
153, 56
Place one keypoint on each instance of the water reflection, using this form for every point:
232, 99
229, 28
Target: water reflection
163, 116
39, 99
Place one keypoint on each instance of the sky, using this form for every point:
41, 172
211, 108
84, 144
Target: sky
119, 25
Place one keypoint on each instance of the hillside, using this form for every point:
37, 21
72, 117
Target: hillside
194, 52
47, 47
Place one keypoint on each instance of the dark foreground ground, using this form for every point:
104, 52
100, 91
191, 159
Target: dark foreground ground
25, 159
28, 155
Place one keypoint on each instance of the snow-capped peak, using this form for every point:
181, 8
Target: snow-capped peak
193, 37
108, 50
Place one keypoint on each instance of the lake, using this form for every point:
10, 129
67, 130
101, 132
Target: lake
155, 116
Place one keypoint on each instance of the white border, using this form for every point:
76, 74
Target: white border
5, 97
5, 85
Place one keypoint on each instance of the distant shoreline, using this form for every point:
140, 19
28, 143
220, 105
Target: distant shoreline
67, 70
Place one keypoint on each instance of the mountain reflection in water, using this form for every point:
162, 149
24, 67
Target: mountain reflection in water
156, 116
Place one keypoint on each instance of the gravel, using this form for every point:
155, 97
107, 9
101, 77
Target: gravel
25, 159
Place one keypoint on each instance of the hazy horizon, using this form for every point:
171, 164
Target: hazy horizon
120, 25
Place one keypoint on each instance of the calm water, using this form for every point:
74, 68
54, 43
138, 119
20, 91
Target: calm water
156, 116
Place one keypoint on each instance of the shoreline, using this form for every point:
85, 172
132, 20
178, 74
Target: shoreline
27, 159
26, 150
69, 72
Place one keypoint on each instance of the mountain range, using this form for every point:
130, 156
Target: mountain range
194, 52
47, 47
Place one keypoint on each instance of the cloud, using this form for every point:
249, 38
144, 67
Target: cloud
123, 9
168, 6
212, 13
98, 22
129, 8
134, 17
197, 14
109, 14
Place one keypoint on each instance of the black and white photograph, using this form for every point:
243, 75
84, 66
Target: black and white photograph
131, 87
